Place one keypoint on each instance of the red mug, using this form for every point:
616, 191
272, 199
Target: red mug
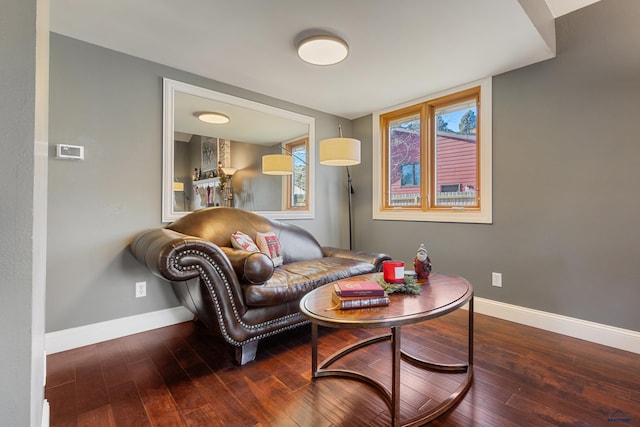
393, 271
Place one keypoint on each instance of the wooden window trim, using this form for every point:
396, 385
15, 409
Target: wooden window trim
481, 212
474, 93
384, 123
290, 147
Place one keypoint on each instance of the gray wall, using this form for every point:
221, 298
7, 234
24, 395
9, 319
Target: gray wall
565, 170
23, 178
111, 104
253, 190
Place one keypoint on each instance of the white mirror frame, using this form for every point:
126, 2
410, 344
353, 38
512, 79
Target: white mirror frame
170, 87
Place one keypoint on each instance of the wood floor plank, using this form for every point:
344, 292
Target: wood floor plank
126, 406
132, 348
148, 381
60, 369
244, 391
228, 410
112, 362
99, 417
182, 375
203, 416
182, 390
90, 386
163, 412
62, 403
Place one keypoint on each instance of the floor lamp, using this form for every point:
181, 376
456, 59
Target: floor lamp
342, 152
178, 187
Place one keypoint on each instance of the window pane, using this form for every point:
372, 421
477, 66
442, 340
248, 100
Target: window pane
456, 155
410, 175
404, 161
299, 178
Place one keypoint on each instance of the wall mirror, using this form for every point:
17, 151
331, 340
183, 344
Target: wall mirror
207, 164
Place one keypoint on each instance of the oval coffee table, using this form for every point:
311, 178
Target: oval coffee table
443, 294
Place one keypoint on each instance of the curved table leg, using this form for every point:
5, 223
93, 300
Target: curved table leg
392, 397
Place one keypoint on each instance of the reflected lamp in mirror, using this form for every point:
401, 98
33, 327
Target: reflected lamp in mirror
178, 186
229, 171
277, 164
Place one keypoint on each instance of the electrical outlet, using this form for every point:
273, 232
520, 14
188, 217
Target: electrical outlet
496, 280
141, 289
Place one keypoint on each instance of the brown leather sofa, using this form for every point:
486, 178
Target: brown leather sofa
238, 293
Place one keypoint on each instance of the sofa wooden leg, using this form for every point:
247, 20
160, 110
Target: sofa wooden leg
246, 353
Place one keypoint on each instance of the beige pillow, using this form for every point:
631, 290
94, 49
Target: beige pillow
239, 240
269, 244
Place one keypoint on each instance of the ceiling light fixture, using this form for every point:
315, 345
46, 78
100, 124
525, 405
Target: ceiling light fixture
211, 117
323, 50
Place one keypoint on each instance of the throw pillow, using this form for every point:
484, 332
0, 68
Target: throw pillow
270, 245
239, 240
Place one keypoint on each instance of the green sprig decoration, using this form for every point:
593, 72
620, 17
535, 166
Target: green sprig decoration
409, 286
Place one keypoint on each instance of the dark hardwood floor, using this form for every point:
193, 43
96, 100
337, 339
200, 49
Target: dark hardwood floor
179, 376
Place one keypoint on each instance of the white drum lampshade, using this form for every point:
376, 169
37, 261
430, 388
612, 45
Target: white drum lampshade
277, 164
340, 152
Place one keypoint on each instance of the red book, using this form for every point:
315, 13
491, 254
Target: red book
358, 288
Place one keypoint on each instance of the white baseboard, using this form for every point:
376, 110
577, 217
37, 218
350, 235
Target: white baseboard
97, 332
611, 336
46, 415
623, 339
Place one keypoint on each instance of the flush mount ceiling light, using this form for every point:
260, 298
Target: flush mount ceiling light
211, 117
323, 50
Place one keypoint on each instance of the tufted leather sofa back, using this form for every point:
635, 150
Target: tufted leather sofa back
217, 224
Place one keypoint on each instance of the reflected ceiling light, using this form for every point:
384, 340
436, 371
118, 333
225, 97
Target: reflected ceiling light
323, 50
277, 164
211, 117
340, 151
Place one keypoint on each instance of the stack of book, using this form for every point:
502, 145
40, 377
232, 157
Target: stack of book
348, 294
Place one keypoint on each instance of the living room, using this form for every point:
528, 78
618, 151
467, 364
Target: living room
563, 198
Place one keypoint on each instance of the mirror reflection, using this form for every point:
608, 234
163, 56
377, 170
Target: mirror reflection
220, 164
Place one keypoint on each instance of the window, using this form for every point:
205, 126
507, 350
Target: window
432, 159
297, 183
410, 175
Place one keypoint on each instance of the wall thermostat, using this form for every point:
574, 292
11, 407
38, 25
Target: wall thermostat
64, 151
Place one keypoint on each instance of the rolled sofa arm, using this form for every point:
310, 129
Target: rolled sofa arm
370, 257
177, 257
253, 267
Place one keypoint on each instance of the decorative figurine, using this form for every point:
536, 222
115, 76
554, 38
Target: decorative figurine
422, 264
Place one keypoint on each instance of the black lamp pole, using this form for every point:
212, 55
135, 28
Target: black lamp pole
350, 190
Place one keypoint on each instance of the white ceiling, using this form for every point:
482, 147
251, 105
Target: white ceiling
399, 50
562, 7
